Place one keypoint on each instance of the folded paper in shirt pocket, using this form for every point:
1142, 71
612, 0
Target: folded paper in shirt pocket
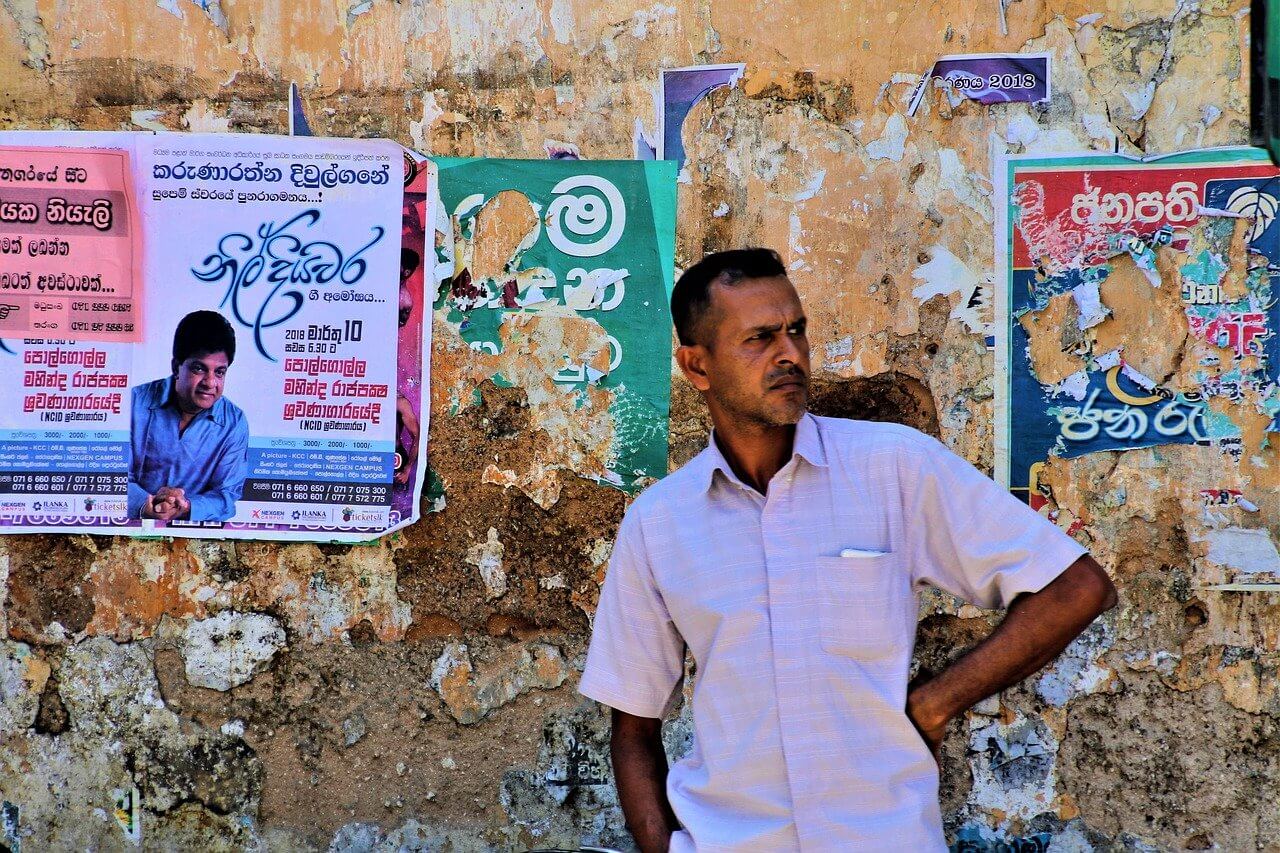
862, 553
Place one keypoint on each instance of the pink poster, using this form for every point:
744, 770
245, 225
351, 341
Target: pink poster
69, 245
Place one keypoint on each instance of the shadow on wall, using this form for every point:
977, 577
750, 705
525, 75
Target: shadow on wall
893, 397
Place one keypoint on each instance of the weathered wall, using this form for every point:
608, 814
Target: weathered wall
302, 696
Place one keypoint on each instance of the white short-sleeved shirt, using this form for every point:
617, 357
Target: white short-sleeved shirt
801, 740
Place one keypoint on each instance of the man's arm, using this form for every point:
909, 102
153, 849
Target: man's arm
1036, 629
405, 412
640, 772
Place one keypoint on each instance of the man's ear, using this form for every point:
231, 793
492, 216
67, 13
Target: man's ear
693, 362
173, 366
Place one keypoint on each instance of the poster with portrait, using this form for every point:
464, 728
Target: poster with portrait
265, 398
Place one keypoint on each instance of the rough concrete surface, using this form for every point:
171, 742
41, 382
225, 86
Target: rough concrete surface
418, 694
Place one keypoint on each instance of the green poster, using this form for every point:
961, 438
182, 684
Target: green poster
576, 250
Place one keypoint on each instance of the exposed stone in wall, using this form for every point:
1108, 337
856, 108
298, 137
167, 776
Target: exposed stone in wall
471, 692
226, 650
22, 679
122, 737
425, 697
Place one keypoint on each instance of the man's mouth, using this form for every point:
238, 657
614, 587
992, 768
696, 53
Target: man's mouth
788, 383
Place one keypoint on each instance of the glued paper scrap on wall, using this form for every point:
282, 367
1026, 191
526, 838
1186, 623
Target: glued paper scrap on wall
977, 838
278, 412
642, 148
680, 91
9, 827
988, 78
298, 125
1089, 228
127, 811
70, 259
589, 240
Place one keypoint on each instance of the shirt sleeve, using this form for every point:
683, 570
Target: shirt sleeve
636, 658
138, 417
970, 537
136, 498
218, 502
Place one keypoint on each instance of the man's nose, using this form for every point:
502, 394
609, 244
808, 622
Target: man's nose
789, 350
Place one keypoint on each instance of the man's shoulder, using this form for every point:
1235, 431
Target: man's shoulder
850, 438
147, 392
687, 481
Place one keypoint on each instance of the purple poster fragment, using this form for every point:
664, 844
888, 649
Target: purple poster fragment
681, 89
298, 125
988, 78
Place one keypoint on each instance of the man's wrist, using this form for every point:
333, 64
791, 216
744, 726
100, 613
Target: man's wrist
927, 708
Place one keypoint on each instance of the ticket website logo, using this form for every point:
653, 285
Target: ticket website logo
351, 515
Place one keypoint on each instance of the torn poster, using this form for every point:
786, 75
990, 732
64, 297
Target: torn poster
582, 252
127, 810
558, 150
641, 146
298, 125
413, 339
988, 78
680, 89
1132, 293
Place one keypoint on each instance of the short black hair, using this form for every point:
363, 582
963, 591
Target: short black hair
692, 295
203, 332
409, 260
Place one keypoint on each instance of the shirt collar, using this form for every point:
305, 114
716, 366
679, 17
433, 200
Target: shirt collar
165, 396
807, 445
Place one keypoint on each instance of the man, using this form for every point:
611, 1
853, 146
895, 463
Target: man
786, 556
408, 372
189, 442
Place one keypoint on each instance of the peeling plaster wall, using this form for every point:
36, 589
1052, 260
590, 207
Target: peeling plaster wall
418, 693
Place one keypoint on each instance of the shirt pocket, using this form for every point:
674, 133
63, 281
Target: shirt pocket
862, 605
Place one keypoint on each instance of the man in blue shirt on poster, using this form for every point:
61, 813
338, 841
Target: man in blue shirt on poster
190, 443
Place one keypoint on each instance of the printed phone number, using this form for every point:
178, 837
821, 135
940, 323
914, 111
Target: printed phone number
102, 306
68, 483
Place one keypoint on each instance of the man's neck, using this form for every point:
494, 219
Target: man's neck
755, 452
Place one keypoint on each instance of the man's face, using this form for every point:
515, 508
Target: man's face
406, 304
197, 382
755, 364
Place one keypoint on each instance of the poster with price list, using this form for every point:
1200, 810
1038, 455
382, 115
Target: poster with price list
268, 395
